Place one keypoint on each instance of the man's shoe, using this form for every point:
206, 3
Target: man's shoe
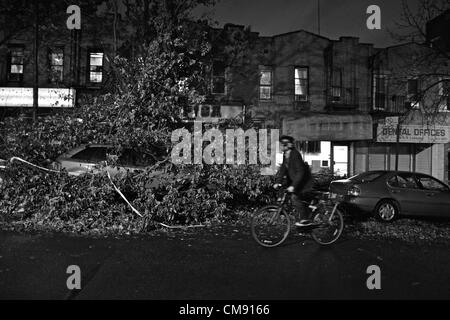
304, 223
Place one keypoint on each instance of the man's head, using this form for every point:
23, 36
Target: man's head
286, 142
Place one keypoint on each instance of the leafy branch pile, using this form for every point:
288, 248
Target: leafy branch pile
36, 200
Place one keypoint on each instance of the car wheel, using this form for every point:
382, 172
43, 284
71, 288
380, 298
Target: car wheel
386, 211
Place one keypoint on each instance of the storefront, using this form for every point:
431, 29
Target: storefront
19, 97
419, 147
335, 134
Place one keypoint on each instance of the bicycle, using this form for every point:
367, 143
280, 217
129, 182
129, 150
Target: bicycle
271, 224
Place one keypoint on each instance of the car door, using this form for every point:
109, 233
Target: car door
403, 187
437, 195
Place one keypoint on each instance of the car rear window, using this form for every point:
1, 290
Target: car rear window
367, 176
92, 154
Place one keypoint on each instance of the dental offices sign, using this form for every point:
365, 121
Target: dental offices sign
414, 134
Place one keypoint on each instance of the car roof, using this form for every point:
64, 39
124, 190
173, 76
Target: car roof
402, 171
392, 171
71, 152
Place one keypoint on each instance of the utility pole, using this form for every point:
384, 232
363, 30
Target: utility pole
397, 145
318, 16
36, 67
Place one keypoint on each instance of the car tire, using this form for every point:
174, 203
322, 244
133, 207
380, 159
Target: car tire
387, 211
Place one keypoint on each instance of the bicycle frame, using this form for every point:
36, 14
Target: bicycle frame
324, 219
282, 202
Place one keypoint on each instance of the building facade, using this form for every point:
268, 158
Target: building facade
342, 100
71, 64
317, 90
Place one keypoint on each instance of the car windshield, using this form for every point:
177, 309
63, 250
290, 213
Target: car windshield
92, 154
367, 176
128, 157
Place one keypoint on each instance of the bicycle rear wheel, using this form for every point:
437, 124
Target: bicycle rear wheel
270, 226
330, 226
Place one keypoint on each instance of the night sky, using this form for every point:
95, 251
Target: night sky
338, 17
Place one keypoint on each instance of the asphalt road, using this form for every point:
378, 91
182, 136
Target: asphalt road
218, 263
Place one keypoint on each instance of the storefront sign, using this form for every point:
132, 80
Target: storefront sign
414, 134
325, 127
47, 97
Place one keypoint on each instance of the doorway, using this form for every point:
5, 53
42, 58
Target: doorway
340, 160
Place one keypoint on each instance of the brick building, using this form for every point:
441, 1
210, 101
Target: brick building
336, 97
317, 90
71, 64
333, 96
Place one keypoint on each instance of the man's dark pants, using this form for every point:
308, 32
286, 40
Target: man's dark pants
302, 211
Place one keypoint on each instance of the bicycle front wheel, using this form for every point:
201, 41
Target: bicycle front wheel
330, 226
270, 226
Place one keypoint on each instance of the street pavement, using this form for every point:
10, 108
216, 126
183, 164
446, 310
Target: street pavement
222, 262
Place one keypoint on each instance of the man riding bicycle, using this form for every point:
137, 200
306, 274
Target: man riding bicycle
298, 178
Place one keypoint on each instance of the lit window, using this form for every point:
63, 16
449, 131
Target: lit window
265, 85
16, 64
301, 84
56, 60
96, 67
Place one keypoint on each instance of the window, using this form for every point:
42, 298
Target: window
444, 93
56, 65
325, 163
444, 87
336, 86
393, 182
16, 64
367, 176
265, 85
413, 92
403, 180
218, 77
379, 92
413, 87
91, 154
301, 84
432, 184
96, 67
308, 146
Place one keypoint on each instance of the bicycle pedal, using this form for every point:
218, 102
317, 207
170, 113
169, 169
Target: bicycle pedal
314, 223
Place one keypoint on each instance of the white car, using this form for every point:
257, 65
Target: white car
89, 158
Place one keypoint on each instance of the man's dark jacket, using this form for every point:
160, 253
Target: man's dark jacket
297, 173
